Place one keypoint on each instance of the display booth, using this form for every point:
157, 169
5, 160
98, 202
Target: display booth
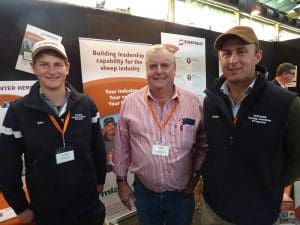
20, 18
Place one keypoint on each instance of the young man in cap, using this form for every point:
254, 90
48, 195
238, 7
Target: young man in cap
252, 129
285, 73
57, 130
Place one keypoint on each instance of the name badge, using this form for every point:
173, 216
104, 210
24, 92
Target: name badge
161, 150
65, 154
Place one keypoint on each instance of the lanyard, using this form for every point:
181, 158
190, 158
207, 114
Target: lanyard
235, 120
163, 124
65, 126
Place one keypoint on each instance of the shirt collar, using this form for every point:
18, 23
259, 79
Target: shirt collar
225, 89
63, 107
44, 97
175, 95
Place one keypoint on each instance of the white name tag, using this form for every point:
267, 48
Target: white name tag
162, 150
65, 157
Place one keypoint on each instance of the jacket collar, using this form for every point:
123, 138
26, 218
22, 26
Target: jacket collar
221, 101
33, 99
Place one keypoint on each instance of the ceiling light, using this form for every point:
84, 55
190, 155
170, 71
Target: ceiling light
255, 12
259, 10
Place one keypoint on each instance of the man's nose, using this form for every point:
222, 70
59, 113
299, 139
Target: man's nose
159, 68
233, 58
52, 69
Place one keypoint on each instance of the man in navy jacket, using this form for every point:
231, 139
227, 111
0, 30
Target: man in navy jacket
253, 137
57, 129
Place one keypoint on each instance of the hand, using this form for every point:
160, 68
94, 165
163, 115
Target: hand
100, 188
125, 194
26, 216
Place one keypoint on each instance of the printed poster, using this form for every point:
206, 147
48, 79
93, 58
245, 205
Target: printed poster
110, 71
9, 91
32, 35
190, 61
7, 214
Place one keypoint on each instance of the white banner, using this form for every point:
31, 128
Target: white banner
9, 91
110, 71
190, 61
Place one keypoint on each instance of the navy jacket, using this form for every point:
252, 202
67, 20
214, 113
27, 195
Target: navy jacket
246, 167
28, 130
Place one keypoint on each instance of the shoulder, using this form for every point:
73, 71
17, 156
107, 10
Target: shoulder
18, 103
82, 97
187, 96
277, 91
295, 107
79, 97
139, 94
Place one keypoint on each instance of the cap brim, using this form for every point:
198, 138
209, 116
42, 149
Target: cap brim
222, 38
34, 53
108, 121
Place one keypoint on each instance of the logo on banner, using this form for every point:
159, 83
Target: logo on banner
189, 42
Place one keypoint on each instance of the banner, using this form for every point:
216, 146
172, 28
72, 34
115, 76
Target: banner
32, 35
110, 71
9, 91
190, 61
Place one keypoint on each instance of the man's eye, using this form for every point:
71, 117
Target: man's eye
242, 51
152, 66
226, 54
165, 66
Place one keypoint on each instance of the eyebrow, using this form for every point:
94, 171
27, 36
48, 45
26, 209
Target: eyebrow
238, 48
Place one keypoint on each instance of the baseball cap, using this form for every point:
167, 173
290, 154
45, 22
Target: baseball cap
243, 32
108, 119
48, 44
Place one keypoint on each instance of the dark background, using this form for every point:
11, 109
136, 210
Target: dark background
72, 22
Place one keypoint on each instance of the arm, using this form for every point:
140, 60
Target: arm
199, 149
121, 159
98, 148
292, 144
12, 148
125, 194
200, 146
121, 149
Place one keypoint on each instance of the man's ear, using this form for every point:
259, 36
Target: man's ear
259, 54
68, 68
32, 67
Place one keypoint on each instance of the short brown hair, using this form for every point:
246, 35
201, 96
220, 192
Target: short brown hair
49, 52
284, 67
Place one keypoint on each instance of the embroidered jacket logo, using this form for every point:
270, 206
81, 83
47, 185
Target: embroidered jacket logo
259, 119
78, 116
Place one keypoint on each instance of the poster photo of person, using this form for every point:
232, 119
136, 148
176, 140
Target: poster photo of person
108, 129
